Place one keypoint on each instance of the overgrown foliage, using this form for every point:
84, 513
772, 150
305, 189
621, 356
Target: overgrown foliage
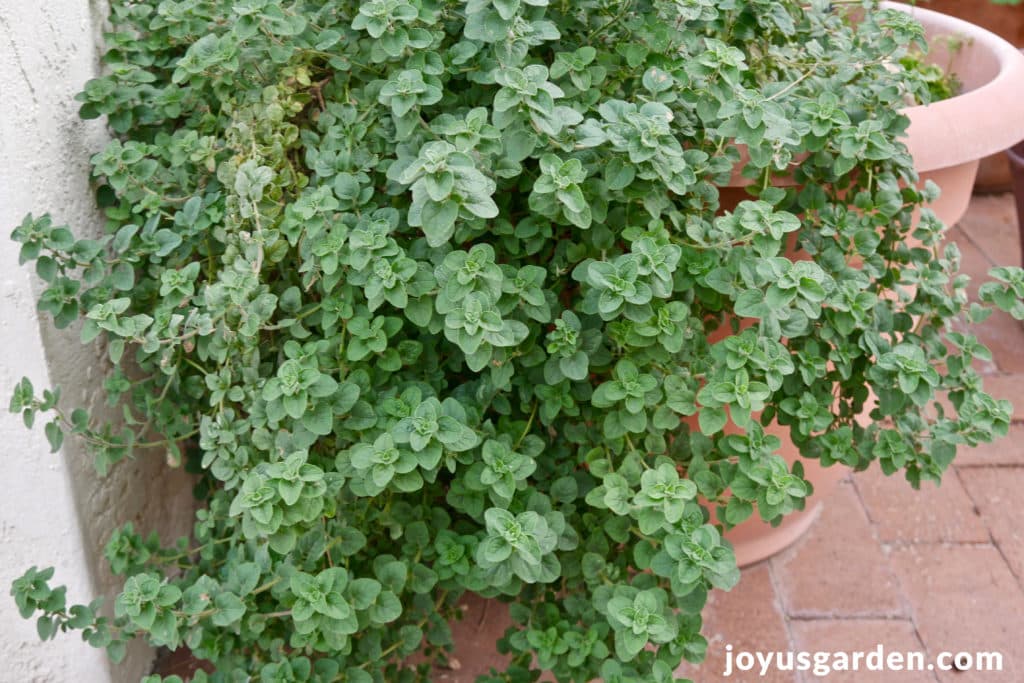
440, 296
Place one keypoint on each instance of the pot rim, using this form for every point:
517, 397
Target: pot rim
975, 124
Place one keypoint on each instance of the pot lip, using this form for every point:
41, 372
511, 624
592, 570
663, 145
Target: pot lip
984, 121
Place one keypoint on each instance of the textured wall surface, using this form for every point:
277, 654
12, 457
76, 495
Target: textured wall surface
54, 509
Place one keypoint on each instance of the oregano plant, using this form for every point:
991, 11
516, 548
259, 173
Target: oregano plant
444, 296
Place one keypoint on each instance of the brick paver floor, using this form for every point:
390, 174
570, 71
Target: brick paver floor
940, 569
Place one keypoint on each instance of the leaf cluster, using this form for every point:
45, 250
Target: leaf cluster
440, 296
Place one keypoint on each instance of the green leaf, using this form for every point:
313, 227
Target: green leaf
738, 510
283, 541
349, 541
55, 435
438, 220
117, 650
122, 277
564, 490
411, 638
364, 592
712, 420
295, 406
386, 609
320, 420
454, 435
618, 174
423, 579
230, 609
393, 575
46, 627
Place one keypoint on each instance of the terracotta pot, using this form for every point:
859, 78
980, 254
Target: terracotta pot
949, 138
1006, 21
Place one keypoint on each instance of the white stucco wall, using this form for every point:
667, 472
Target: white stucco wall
54, 510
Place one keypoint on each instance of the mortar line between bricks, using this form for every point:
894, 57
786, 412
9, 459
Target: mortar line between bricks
863, 505
920, 641
991, 536
812, 617
989, 466
901, 544
875, 535
825, 615
908, 605
780, 604
912, 618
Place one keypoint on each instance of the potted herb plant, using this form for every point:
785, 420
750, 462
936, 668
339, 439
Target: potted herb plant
441, 299
973, 75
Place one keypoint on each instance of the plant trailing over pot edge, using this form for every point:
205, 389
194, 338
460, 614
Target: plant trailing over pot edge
422, 291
